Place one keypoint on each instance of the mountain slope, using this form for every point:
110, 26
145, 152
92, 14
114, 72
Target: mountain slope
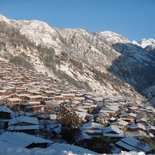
101, 62
135, 66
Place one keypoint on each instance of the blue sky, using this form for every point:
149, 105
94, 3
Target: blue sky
135, 19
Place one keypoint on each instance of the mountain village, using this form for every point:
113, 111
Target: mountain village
30, 105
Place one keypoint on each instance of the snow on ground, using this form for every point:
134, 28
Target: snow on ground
55, 149
16, 143
59, 149
71, 148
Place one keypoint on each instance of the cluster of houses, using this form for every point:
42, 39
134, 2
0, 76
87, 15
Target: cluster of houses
117, 122
29, 102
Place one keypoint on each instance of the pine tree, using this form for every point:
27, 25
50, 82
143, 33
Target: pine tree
70, 122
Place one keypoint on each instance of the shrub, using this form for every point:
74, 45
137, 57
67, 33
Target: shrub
70, 122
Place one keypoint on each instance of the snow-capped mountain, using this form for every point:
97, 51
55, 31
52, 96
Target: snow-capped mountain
147, 42
148, 45
103, 62
112, 38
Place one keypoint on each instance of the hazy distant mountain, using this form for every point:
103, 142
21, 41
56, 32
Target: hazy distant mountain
103, 62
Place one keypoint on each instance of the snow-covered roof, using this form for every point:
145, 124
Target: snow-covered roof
106, 111
81, 109
53, 116
2, 91
113, 107
91, 125
79, 98
21, 139
5, 109
14, 99
150, 127
128, 114
127, 147
81, 114
25, 119
137, 133
84, 135
94, 131
98, 99
28, 127
53, 102
30, 103
141, 120
111, 129
20, 95
53, 125
57, 129
132, 114
34, 96
133, 108
49, 91
112, 119
133, 144
136, 126
113, 135
63, 94
120, 122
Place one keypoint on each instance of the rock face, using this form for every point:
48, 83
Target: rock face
104, 62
